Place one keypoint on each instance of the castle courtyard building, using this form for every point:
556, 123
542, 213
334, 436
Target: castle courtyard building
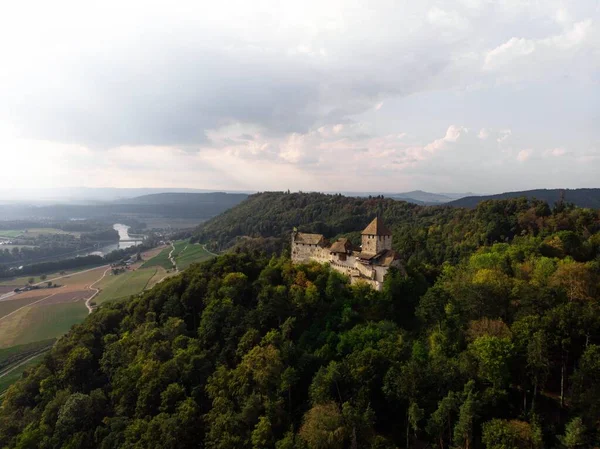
369, 263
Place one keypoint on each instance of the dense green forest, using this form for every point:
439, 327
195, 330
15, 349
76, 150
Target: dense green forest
424, 234
499, 348
579, 197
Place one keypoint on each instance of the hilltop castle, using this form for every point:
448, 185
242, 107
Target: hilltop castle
369, 263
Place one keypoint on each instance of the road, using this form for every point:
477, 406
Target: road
91, 287
209, 252
171, 257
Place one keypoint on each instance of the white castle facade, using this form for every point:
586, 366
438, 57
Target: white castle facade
369, 263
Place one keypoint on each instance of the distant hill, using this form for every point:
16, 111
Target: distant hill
579, 197
199, 206
416, 196
87, 195
186, 198
421, 197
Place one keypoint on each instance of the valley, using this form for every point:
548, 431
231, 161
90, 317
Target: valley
32, 318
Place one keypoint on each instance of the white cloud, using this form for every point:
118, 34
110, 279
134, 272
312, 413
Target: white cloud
212, 93
524, 155
503, 135
447, 19
556, 152
524, 58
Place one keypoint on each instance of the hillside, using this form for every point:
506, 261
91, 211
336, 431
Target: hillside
579, 197
501, 350
431, 234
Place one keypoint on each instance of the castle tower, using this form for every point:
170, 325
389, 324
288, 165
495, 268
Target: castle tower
376, 237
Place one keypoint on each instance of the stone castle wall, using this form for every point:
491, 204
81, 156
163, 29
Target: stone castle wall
374, 244
350, 266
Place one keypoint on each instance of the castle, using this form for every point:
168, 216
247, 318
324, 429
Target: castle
369, 263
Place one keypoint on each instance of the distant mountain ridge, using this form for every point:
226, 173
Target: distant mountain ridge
427, 198
420, 197
185, 198
580, 197
199, 206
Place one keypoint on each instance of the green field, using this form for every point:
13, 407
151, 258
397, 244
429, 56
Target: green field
33, 232
14, 354
193, 253
10, 306
10, 378
70, 275
161, 260
10, 233
180, 246
50, 321
125, 284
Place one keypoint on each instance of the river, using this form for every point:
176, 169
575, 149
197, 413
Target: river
125, 241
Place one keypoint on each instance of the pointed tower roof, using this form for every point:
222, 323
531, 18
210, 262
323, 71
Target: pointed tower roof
376, 227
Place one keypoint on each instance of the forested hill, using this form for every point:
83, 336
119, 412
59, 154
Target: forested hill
422, 234
501, 351
578, 197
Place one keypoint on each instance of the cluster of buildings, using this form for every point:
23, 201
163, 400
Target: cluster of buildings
369, 263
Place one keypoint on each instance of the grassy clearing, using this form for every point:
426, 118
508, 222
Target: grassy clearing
161, 273
37, 322
10, 378
51, 321
162, 260
194, 253
180, 246
34, 232
10, 233
9, 356
21, 281
125, 284
13, 304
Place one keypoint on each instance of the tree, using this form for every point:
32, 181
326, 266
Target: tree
323, 427
463, 430
31, 281
441, 423
493, 355
586, 385
538, 363
577, 279
43, 277
503, 434
575, 434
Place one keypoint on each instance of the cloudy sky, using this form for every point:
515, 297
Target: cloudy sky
470, 95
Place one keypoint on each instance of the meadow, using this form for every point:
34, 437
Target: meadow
161, 260
12, 375
33, 232
40, 322
124, 285
193, 253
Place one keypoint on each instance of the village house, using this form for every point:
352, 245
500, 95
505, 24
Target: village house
369, 263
